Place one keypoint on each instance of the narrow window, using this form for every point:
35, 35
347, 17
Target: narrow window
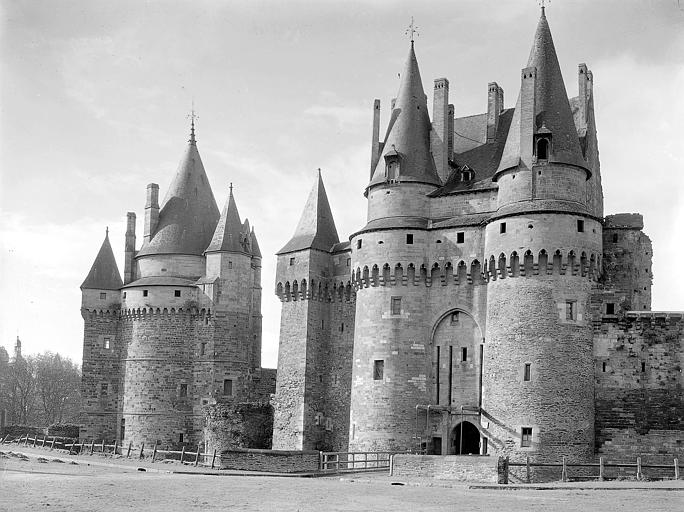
542, 149
180, 438
378, 369
610, 308
203, 348
358, 244
106, 342
526, 438
322, 323
528, 372
464, 354
437, 372
580, 226
460, 237
349, 262
230, 264
502, 227
603, 367
176, 293
454, 317
292, 260
570, 310
144, 293
342, 327
124, 295
409, 238
320, 377
228, 387
183, 391
103, 295
104, 388
615, 238
643, 367
396, 306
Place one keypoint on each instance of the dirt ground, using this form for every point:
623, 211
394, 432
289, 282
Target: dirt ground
44, 480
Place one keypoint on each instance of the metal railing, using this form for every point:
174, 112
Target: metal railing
355, 461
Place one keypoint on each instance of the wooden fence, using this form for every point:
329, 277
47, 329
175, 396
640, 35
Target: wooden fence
355, 461
601, 466
84, 447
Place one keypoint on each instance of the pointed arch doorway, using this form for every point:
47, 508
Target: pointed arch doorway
465, 439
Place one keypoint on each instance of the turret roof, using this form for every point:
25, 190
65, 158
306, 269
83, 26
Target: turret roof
230, 233
256, 251
551, 106
408, 132
188, 215
104, 274
316, 228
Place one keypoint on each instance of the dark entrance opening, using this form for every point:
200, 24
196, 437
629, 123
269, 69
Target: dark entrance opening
436, 446
470, 444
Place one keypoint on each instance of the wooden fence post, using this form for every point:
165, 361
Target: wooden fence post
154, 452
26, 442
213, 459
639, 475
527, 467
142, 451
116, 445
601, 476
564, 474
52, 444
676, 465
35, 440
130, 445
43, 445
197, 455
103, 445
182, 453
80, 451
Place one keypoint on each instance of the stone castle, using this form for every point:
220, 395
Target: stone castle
487, 306
183, 328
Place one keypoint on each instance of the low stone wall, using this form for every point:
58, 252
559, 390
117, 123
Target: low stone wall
464, 468
278, 461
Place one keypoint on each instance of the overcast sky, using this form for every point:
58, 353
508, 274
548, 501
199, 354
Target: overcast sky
95, 96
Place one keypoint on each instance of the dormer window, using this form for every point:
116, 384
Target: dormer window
467, 173
392, 166
542, 144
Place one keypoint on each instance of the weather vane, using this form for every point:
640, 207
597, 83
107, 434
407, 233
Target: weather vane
192, 116
542, 3
412, 30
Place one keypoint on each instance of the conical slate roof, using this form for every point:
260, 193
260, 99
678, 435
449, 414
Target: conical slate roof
256, 251
552, 112
408, 133
104, 274
188, 215
230, 233
316, 228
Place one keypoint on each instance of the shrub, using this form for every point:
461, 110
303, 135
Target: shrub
63, 430
17, 431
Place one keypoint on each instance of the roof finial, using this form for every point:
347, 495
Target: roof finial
412, 30
542, 3
192, 117
107, 232
231, 188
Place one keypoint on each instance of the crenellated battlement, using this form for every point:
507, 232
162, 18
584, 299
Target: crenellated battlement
322, 291
141, 313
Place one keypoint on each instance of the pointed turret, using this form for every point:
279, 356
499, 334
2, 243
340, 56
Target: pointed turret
104, 274
229, 235
542, 112
256, 251
316, 228
188, 214
406, 155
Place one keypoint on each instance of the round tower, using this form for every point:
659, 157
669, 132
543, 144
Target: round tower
543, 247
390, 371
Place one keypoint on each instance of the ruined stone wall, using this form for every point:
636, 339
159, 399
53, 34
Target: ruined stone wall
639, 384
101, 383
238, 425
627, 261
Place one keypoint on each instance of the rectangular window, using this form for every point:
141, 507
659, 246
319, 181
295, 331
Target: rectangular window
454, 317
322, 324
570, 310
105, 342
528, 372
610, 308
460, 237
183, 391
144, 293
409, 239
502, 227
228, 387
526, 437
464, 354
124, 295
176, 293
603, 366
580, 226
396, 306
103, 295
180, 438
203, 348
378, 369
230, 264
358, 244
292, 261
342, 327
643, 367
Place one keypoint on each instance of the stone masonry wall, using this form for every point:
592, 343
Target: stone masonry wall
277, 461
450, 467
639, 384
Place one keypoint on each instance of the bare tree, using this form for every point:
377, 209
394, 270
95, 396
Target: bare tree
57, 381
